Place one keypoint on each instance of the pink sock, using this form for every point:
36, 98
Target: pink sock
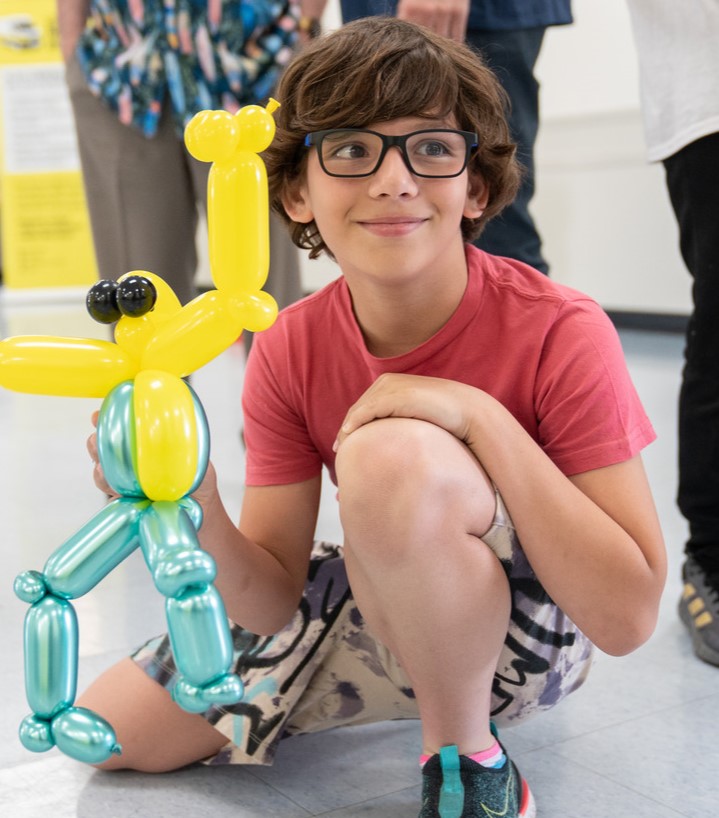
491, 757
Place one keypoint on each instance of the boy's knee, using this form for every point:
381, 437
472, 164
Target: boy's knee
413, 471
388, 450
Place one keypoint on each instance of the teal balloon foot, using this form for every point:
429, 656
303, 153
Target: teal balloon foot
35, 734
228, 689
84, 736
30, 587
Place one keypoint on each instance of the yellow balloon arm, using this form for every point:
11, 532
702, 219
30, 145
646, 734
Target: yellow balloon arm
195, 335
72, 367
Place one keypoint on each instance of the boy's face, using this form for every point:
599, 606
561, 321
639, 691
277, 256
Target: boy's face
393, 223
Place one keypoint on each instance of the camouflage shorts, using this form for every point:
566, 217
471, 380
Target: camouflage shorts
325, 669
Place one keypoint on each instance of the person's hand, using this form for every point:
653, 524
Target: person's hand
446, 17
97, 473
434, 400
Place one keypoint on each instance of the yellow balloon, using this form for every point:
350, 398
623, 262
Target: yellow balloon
257, 127
73, 367
212, 136
166, 435
256, 312
238, 224
133, 334
196, 334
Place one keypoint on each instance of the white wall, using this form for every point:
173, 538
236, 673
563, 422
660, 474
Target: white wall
603, 212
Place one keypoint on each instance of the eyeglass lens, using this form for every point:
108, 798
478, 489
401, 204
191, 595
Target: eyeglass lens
428, 153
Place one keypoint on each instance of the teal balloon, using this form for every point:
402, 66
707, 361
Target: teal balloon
193, 510
116, 441
84, 736
199, 635
189, 697
226, 690
51, 649
35, 734
99, 546
172, 551
203, 442
30, 587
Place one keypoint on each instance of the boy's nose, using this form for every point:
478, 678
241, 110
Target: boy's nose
393, 177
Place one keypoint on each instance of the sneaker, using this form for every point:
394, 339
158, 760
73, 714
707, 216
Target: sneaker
454, 786
699, 609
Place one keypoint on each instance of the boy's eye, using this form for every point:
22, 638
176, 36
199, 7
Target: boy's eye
433, 149
348, 150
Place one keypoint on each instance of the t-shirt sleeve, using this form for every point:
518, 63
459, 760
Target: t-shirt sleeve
279, 449
588, 410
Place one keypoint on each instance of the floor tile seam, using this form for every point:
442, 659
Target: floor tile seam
336, 810
613, 725
281, 793
624, 786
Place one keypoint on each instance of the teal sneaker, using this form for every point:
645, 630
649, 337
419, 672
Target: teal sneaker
454, 786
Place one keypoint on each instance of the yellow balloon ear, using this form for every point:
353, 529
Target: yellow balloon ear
257, 128
212, 136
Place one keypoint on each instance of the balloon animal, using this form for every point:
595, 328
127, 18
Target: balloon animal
153, 445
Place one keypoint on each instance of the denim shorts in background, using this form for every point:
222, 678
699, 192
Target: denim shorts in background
326, 670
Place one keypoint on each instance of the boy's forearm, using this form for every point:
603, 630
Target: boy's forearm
258, 593
71, 18
589, 564
313, 8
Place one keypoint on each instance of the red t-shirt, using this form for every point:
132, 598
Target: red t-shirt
549, 354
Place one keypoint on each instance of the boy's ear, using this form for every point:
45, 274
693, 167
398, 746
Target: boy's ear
477, 197
296, 203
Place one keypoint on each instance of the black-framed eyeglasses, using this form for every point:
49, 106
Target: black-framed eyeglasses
437, 153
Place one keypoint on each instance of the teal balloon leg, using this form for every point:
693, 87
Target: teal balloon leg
51, 648
202, 647
172, 551
98, 547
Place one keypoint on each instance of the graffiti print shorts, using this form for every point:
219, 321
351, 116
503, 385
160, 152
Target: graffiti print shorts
325, 669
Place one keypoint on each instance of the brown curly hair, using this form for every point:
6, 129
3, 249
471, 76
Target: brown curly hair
379, 69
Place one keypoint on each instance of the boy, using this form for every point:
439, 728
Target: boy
480, 425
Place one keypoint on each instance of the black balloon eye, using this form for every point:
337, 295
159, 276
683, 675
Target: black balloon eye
136, 295
101, 302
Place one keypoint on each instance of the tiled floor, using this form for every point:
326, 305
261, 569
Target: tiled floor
638, 741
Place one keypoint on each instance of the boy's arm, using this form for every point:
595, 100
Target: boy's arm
593, 539
262, 565
446, 17
71, 18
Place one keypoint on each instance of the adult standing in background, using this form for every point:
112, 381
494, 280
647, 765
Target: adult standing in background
509, 34
679, 76
137, 72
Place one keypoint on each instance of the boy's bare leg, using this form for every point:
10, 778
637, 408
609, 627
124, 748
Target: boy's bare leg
414, 502
156, 734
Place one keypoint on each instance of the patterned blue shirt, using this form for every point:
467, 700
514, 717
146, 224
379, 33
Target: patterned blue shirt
201, 54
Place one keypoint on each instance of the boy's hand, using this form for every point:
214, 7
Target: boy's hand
446, 17
97, 473
435, 400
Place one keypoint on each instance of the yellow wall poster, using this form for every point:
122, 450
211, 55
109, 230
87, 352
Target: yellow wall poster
46, 240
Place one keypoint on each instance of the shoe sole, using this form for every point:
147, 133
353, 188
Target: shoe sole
527, 809
703, 651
